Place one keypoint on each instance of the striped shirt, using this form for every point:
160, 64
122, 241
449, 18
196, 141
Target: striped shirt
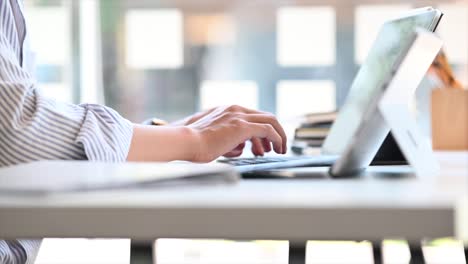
33, 127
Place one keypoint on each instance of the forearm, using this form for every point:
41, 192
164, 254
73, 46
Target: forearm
162, 143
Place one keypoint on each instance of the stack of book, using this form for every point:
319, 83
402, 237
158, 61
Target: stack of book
312, 132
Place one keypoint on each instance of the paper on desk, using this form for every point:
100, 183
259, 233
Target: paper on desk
53, 176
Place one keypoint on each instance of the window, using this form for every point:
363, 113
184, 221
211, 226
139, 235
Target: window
443, 250
216, 93
46, 23
319, 252
53, 58
295, 98
154, 39
184, 251
454, 31
306, 36
189, 43
83, 251
368, 20
395, 251
90, 53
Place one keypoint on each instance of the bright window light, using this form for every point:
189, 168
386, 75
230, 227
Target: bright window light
454, 31
368, 20
83, 251
154, 39
184, 251
90, 47
337, 252
217, 93
443, 250
49, 29
306, 36
395, 252
58, 91
298, 97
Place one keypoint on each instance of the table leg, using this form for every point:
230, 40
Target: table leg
297, 254
141, 254
417, 256
466, 254
377, 252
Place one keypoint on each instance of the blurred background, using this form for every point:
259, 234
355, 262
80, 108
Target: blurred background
170, 58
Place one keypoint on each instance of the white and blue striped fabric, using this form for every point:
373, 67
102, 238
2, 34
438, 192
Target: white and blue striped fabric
33, 127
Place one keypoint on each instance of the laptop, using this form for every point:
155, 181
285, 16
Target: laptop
345, 148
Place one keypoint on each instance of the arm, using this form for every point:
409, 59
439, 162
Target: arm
161, 143
221, 131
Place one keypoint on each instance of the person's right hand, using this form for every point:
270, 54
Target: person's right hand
224, 131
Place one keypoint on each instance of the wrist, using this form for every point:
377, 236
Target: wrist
164, 143
192, 147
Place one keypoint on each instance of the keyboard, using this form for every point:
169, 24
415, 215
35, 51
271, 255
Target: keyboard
244, 165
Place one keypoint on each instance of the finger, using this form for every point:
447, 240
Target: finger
240, 146
269, 119
265, 131
235, 152
257, 147
266, 145
241, 109
253, 111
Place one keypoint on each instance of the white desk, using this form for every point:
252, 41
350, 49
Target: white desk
386, 202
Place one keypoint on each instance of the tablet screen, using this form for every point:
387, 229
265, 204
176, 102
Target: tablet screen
388, 46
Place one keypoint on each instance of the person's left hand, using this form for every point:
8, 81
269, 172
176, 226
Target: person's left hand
259, 146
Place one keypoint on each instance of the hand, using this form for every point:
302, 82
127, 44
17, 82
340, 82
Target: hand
224, 131
256, 149
193, 118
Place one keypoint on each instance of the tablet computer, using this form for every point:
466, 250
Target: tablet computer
398, 89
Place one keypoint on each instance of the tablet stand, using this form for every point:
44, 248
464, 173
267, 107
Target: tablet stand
415, 146
389, 153
395, 109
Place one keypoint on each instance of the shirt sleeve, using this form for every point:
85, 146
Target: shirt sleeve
31, 248
33, 127
19, 251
